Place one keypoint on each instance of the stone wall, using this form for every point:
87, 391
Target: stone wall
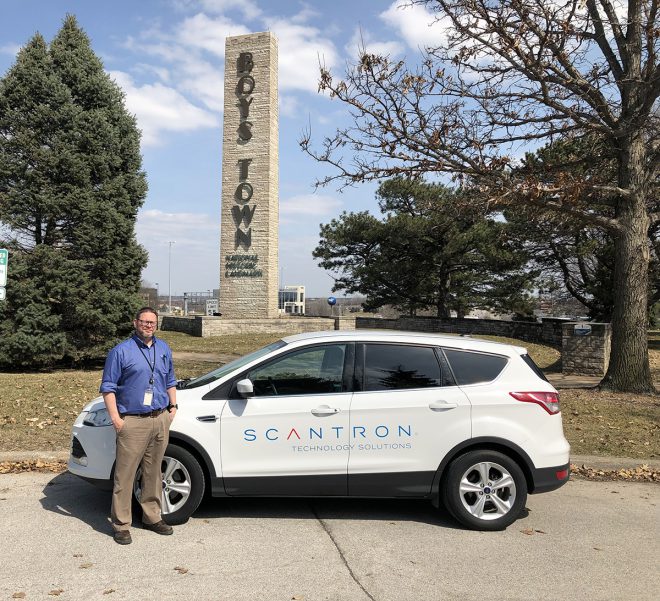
549, 331
586, 348
206, 326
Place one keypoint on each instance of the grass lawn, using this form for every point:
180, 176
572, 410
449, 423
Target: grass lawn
37, 409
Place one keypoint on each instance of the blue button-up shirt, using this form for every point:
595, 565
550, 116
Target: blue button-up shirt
128, 369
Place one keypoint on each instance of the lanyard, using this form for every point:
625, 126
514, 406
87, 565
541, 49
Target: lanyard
151, 365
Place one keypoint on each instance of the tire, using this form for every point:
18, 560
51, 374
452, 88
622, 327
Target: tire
484, 490
183, 485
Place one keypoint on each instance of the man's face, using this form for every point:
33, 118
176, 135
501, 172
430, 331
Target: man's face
145, 325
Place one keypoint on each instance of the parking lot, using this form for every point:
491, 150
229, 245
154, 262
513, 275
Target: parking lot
588, 540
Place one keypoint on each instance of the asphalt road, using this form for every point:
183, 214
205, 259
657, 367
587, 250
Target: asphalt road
589, 540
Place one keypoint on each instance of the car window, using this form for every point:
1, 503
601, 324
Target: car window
227, 368
398, 366
474, 368
535, 368
316, 370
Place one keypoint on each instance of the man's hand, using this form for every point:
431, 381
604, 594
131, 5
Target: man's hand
172, 413
111, 405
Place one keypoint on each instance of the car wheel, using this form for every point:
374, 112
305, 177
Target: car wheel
485, 490
183, 485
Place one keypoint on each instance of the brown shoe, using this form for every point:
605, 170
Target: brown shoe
159, 527
122, 537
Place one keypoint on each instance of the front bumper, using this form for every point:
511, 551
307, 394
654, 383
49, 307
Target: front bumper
92, 453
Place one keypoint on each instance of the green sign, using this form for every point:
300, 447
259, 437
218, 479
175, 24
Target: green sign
4, 259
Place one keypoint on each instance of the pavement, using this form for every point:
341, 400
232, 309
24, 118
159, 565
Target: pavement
587, 541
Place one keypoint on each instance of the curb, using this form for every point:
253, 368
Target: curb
593, 461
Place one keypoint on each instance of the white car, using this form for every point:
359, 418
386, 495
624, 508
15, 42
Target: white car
469, 424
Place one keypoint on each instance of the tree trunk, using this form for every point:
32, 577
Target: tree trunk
444, 285
629, 369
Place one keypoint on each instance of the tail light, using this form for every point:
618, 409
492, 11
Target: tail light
548, 400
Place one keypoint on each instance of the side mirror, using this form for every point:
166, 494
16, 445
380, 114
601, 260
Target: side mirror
245, 388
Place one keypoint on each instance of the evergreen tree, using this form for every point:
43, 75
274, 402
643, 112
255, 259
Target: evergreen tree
70, 188
429, 251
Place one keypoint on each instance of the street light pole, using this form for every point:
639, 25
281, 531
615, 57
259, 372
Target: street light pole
169, 275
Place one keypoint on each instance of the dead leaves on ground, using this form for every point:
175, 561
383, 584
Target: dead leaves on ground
32, 465
532, 531
642, 473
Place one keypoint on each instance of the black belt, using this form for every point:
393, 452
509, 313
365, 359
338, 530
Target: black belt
154, 413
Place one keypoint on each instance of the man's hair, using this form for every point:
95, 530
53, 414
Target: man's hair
146, 310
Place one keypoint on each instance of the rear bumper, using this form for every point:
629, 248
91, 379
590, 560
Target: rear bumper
545, 479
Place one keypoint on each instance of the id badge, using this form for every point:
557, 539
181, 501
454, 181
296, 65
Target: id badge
148, 397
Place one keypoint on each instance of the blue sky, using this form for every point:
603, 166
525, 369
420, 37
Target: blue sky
168, 56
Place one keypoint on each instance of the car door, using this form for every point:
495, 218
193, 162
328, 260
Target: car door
292, 436
407, 414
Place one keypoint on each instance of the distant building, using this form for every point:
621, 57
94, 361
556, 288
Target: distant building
149, 297
292, 300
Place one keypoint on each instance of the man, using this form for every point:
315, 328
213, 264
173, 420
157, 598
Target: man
139, 390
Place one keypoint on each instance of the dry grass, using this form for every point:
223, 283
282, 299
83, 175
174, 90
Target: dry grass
37, 409
613, 424
236, 344
546, 357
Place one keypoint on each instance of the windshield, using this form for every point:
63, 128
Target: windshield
216, 374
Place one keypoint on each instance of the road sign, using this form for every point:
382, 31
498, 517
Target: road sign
332, 300
3, 293
211, 306
4, 259
581, 329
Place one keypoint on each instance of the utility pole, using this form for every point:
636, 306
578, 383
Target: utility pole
169, 275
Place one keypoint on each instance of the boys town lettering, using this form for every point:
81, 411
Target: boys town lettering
243, 212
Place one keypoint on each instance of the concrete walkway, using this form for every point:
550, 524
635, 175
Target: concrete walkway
560, 380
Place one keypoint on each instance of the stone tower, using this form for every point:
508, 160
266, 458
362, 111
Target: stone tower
250, 204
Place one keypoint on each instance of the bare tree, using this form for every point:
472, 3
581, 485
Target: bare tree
510, 75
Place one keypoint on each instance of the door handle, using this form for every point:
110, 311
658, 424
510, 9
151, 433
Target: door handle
207, 418
442, 405
325, 410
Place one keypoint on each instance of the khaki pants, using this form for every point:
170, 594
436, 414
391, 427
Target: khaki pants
141, 440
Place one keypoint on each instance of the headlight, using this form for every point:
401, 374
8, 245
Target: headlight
100, 417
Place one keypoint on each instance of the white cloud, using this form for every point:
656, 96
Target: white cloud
249, 8
187, 228
310, 204
416, 25
209, 33
289, 105
189, 231
301, 48
10, 49
363, 41
160, 108
161, 72
203, 81
195, 259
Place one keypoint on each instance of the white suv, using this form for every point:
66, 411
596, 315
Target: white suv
468, 423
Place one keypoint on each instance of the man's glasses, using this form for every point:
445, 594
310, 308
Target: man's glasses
147, 324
